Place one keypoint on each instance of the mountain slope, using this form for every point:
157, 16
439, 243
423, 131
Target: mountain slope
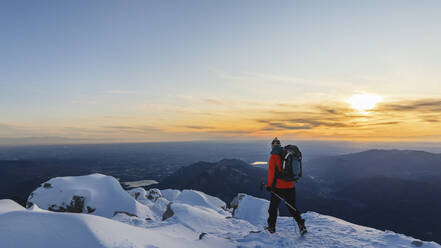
224, 179
394, 204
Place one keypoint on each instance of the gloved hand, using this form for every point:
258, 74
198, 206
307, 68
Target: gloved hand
268, 189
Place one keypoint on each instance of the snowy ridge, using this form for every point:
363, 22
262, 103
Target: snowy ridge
174, 218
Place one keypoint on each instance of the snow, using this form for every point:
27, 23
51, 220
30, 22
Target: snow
202, 219
68, 230
252, 209
198, 220
170, 194
7, 205
195, 197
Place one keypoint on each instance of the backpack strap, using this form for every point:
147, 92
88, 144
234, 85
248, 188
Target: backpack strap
277, 171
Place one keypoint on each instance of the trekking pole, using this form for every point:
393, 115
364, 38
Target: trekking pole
262, 184
286, 203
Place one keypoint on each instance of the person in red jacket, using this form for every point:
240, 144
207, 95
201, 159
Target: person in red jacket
282, 188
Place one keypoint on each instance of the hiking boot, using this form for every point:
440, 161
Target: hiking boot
302, 227
271, 229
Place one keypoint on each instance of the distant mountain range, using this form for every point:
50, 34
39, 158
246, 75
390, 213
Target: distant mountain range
405, 164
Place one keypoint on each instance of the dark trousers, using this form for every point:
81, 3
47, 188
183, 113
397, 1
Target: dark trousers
289, 195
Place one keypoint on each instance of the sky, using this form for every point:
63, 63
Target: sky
122, 71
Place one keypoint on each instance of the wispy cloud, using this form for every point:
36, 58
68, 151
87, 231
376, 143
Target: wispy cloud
390, 119
215, 101
132, 129
199, 127
419, 106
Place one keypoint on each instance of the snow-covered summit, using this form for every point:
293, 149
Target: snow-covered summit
175, 218
96, 194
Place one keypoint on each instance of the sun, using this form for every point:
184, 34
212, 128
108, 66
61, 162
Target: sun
364, 102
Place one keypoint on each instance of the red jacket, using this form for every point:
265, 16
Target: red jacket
280, 184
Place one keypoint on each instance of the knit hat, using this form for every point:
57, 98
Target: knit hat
275, 142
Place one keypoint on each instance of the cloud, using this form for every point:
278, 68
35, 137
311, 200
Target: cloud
424, 110
213, 101
381, 123
338, 118
284, 126
421, 106
133, 129
432, 120
199, 127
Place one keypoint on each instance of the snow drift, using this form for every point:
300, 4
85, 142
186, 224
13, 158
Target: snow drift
37, 229
194, 219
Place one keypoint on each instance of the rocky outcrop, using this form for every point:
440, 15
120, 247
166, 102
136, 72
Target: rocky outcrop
76, 206
47, 185
153, 194
168, 212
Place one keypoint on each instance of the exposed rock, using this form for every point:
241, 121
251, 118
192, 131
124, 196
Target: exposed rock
76, 206
417, 243
168, 213
153, 194
90, 209
137, 195
126, 213
202, 235
47, 185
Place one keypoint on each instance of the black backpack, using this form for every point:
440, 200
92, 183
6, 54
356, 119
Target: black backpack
291, 163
